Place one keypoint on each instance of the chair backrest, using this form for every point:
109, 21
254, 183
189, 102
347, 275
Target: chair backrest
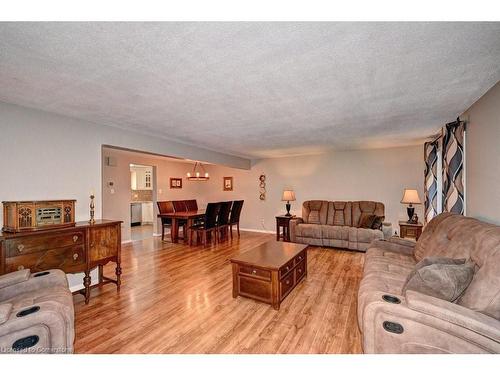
191, 205
235, 212
211, 214
165, 207
179, 206
225, 209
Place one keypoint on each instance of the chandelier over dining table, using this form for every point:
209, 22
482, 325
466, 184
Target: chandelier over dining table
198, 174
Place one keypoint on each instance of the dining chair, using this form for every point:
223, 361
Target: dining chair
191, 205
180, 206
208, 226
234, 219
165, 207
223, 219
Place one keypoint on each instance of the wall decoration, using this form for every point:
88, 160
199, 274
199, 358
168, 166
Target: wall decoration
175, 183
262, 187
227, 183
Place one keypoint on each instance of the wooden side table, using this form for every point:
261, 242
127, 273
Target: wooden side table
283, 221
410, 230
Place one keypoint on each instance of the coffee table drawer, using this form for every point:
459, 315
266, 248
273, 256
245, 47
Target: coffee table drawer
300, 271
255, 272
286, 285
286, 268
257, 289
300, 258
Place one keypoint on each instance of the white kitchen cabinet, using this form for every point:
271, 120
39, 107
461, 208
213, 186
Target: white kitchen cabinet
141, 178
147, 213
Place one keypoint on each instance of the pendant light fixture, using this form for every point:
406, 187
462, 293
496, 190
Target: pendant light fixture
198, 174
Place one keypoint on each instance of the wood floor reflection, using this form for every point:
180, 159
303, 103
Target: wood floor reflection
177, 299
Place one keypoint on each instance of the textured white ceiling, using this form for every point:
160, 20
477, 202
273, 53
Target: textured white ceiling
254, 89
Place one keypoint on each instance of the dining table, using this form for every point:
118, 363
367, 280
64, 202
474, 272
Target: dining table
189, 216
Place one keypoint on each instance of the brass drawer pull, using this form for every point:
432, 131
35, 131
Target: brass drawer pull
287, 282
254, 272
287, 268
75, 238
20, 247
75, 256
300, 271
19, 268
300, 258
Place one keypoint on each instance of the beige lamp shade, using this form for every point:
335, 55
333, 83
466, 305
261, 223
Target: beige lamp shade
410, 196
288, 195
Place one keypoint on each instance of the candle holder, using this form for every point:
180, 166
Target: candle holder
92, 209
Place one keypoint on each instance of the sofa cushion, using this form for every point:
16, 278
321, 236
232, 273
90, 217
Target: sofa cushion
308, 230
335, 232
363, 208
339, 213
443, 278
364, 235
314, 212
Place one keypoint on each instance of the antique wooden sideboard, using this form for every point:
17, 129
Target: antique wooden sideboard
78, 248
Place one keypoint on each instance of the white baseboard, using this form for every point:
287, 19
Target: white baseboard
257, 230
127, 241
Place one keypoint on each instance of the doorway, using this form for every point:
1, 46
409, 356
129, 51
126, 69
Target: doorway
141, 201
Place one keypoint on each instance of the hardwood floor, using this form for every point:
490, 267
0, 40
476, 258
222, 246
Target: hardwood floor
177, 299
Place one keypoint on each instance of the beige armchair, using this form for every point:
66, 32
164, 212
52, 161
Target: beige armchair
36, 313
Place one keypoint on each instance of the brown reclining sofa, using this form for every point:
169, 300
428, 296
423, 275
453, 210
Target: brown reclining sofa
391, 322
337, 224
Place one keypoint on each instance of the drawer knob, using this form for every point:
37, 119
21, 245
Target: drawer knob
300, 271
287, 268
75, 256
287, 282
20, 268
20, 247
300, 258
254, 272
75, 238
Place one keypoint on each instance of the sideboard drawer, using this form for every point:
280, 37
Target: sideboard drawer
69, 259
30, 244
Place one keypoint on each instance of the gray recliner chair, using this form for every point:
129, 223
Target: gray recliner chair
36, 313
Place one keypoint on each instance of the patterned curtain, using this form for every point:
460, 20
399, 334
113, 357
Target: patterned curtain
453, 167
431, 179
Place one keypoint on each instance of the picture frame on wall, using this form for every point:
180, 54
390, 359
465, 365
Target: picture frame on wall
175, 183
227, 183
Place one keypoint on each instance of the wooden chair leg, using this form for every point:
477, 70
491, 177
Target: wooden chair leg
238, 227
163, 232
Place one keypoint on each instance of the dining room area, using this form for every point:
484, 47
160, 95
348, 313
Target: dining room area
213, 223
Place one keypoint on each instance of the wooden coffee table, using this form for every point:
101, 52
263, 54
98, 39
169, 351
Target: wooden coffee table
269, 272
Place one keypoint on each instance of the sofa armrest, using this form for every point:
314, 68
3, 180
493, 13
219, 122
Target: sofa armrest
454, 314
402, 242
293, 226
5, 309
13, 278
421, 324
39, 280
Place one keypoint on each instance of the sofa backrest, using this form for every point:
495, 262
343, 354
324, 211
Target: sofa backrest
455, 236
314, 212
339, 213
361, 209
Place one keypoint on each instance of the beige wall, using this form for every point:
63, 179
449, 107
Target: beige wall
483, 157
379, 175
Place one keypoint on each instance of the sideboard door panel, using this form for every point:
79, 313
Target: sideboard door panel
103, 243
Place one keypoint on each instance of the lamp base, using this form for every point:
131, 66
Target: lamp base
410, 211
288, 206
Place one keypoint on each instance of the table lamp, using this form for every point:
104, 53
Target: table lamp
410, 197
288, 195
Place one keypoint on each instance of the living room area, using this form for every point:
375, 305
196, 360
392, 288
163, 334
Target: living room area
250, 188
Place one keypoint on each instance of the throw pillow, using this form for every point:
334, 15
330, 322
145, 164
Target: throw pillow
443, 278
377, 223
367, 221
